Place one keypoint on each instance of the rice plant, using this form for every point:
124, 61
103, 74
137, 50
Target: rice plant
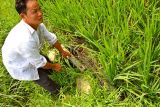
124, 37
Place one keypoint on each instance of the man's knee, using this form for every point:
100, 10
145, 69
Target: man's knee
47, 83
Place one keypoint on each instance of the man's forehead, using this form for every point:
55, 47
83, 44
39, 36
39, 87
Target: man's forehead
28, 1
32, 4
31, 0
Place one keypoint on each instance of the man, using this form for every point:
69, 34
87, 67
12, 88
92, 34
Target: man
20, 52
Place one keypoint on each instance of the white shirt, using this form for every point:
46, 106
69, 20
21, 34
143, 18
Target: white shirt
21, 50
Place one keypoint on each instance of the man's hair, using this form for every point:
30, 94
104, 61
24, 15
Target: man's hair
21, 6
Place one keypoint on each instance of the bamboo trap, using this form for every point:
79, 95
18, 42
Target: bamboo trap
75, 61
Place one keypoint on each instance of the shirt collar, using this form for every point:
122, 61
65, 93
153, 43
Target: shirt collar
28, 26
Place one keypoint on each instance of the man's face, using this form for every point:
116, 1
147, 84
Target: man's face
33, 15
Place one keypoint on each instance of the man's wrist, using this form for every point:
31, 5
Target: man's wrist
48, 66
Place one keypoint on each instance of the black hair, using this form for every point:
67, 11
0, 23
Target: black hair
21, 6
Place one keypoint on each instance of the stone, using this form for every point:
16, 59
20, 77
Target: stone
83, 85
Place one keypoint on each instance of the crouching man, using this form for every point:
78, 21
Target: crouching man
21, 49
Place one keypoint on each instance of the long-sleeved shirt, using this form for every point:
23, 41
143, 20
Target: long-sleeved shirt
21, 50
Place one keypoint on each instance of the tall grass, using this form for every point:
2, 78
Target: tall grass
125, 37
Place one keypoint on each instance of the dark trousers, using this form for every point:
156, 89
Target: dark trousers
46, 82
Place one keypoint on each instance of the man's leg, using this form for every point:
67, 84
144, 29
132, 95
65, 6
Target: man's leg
46, 82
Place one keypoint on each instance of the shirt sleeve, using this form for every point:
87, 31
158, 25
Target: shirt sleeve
30, 52
50, 37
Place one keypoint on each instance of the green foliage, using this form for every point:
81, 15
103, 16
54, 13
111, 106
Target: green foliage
125, 38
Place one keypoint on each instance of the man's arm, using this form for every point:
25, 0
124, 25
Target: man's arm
52, 39
58, 46
56, 67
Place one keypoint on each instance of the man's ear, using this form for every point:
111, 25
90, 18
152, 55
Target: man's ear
22, 15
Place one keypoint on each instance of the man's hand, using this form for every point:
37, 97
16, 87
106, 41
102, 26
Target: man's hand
65, 54
57, 67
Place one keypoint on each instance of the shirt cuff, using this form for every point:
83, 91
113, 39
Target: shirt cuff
54, 39
42, 62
